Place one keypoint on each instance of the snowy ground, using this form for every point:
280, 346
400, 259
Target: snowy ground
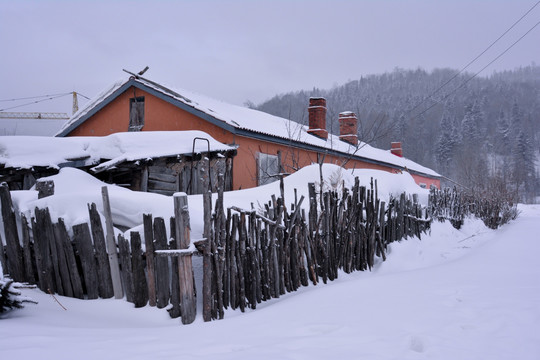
467, 294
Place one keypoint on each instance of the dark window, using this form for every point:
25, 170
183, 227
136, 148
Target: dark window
136, 113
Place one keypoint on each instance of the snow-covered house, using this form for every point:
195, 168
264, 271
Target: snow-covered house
267, 145
161, 162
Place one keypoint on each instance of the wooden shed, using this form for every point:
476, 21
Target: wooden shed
159, 162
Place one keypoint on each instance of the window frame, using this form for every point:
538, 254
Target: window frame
136, 121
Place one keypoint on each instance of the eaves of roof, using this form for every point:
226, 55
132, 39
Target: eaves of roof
302, 145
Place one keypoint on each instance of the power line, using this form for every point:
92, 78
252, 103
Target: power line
86, 97
476, 74
476, 58
35, 102
34, 97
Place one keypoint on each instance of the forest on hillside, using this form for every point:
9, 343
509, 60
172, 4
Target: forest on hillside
479, 132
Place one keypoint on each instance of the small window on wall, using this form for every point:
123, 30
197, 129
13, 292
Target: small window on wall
423, 185
267, 168
136, 113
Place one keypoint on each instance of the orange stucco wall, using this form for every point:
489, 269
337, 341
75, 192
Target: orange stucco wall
428, 182
159, 115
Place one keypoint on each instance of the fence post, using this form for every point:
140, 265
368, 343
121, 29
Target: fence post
188, 304
150, 266
14, 253
207, 257
111, 246
103, 266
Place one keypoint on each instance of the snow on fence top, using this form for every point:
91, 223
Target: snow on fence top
33, 151
242, 118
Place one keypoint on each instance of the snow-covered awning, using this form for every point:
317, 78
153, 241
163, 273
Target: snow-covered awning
26, 152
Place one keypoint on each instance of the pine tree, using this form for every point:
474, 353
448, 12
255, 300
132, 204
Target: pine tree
470, 125
9, 297
502, 135
446, 142
524, 170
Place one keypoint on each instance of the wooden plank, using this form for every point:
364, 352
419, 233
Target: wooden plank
44, 233
160, 185
150, 263
140, 289
156, 169
60, 278
45, 188
162, 264
111, 245
161, 192
29, 274
62, 263
232, 263
42, 273
144, 179
185, 269
28, 181
168, 178
83, 242
3, 260
207, 259
127, 270
103, 267
174, 311
13, 248
61, 233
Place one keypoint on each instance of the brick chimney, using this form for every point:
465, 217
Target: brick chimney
348, 127
396, 149
317, 117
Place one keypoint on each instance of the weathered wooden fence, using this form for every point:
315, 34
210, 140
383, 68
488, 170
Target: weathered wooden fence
79, 265
249, 256
255, 256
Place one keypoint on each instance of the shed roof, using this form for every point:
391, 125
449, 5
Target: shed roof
25, 152
244, 121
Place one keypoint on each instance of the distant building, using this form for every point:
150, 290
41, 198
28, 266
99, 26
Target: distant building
267, 145
31, 123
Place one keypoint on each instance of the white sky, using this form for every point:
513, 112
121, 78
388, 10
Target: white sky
247, 50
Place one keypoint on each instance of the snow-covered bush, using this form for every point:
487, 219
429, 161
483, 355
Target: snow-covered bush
10, 298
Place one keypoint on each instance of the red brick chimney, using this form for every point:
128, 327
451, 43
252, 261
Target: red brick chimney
396, 149
348, 127
317, 117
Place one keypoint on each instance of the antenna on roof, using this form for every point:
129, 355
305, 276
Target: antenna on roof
138, 74
143, 70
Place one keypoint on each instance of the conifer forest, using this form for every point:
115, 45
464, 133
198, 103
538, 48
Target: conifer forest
482, 133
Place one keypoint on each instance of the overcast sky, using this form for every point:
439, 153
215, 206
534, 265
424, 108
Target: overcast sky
247, 50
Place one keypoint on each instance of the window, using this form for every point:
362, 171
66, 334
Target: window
423, 185
267, 168
136, 113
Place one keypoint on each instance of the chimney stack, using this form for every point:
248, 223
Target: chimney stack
396, 149
348, 127
317, 117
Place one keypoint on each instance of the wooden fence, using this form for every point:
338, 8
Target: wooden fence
249, 256
255, 256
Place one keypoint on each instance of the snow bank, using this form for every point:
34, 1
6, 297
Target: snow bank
74, 189
471, 293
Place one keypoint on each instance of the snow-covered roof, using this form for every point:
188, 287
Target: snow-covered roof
36, 151
243, 120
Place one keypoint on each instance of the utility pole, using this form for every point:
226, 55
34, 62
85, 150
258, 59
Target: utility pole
75, 104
